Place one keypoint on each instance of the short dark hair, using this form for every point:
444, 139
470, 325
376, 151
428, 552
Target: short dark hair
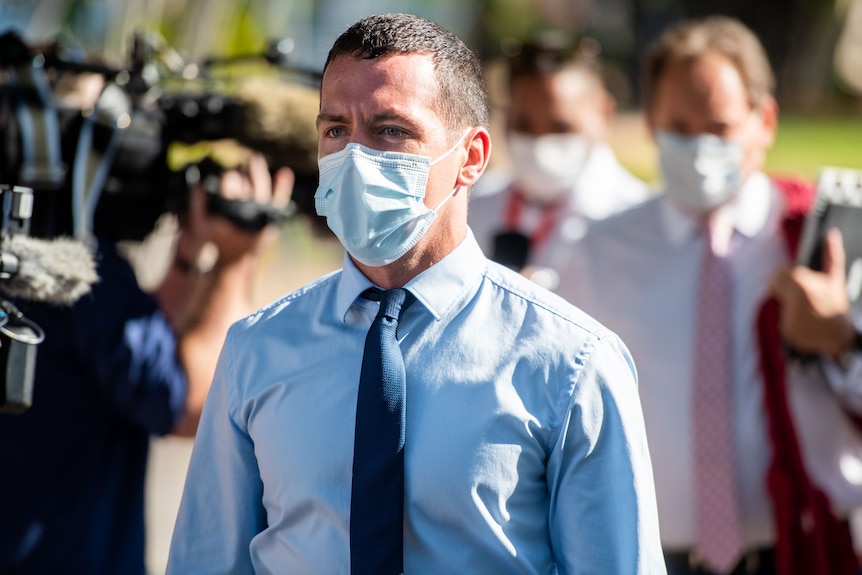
690, 40
542, 58
461, 99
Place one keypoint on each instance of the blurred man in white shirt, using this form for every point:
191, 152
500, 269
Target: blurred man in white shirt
710, 107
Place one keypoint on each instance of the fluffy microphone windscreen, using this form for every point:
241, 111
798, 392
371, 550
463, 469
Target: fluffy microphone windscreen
279, 120
57, 271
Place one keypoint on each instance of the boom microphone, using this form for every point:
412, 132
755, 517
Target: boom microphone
57, 271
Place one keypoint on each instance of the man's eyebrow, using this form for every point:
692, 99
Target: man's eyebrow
391, 117
330, 118
377, 119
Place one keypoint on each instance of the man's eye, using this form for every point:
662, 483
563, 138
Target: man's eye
392, 131
334, 132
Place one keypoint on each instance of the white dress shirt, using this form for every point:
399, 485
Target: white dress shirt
525, 448
603, 187
638, 273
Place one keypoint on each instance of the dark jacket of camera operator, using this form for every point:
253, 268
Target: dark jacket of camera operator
116, 367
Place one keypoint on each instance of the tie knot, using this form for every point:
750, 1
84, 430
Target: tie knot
392, 301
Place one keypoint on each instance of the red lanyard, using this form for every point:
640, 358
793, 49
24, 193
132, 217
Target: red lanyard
547, 221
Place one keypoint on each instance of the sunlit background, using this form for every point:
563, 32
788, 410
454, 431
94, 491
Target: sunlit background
815, 47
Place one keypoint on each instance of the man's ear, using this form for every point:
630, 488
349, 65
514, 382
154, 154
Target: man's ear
769, 122
478, 154
597, 125
608, 107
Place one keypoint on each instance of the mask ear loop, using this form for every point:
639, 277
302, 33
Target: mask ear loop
444, 200
452, 149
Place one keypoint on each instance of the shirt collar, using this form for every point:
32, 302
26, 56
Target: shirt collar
439, 288
601, 158
747, 213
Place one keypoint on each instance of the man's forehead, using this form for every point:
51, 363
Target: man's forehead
415, 62
393, 82
706, 79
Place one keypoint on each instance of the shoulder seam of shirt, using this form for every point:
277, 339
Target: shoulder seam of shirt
254, 316
232, 403
567, 397
547, 306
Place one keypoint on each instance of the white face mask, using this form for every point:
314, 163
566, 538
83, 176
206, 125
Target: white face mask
546, 167
373, 201
700, 173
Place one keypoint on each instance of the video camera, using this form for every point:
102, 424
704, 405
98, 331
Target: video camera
143, 110
71, 169
199, 107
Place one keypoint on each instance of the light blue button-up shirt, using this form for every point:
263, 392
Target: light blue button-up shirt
525, 448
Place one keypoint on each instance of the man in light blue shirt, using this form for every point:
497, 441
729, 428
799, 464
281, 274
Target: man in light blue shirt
525, 449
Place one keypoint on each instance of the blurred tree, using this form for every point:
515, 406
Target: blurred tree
848, 48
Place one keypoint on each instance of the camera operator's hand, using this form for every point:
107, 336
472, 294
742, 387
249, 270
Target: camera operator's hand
203, 298
202, 229
815, 316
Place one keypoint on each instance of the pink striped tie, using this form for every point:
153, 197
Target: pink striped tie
717, 510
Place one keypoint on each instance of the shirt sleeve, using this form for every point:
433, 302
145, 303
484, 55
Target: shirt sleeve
221, 509
603, 516
130, 349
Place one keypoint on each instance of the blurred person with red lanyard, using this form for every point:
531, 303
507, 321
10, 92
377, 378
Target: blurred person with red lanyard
563, 172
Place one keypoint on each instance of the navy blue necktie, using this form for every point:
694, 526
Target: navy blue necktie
377, 496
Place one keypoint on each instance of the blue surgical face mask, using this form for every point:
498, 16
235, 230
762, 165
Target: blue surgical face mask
373, 201
700, 173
